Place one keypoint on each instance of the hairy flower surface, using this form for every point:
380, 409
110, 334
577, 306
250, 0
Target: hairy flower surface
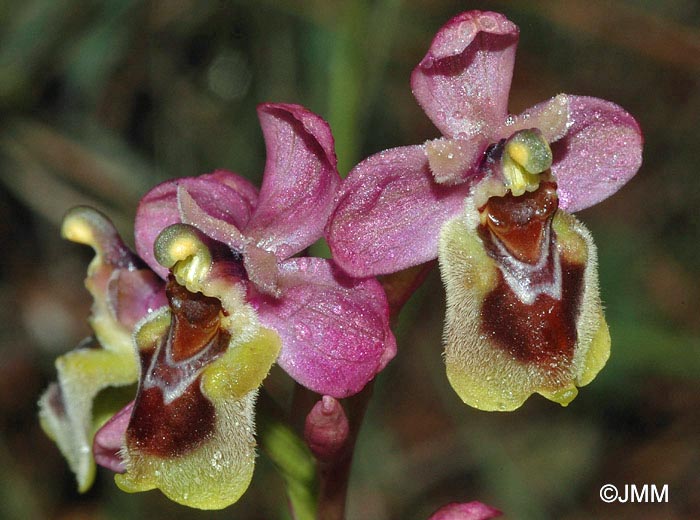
489, 199
234, 301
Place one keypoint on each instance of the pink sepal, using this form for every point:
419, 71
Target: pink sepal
389, 213
601, 151
335, 329
300, 180
463, 81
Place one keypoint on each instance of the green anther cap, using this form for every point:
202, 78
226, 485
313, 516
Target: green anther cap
530, 150
526, 155
180, 249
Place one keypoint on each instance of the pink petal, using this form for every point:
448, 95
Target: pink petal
335, 330
452, 161
110, 439
465, 511
133, 294
223, 195
219, 229
389, 213
300, 180
463, 81
601, 152
246, 189
262, 269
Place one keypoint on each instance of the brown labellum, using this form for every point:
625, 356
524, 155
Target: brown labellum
172, 429
171, 415
543, 332
533, 310
519, 222
196, 320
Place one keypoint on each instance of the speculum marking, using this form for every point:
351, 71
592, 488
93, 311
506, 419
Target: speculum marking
533, 310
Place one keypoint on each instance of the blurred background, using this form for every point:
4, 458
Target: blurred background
101, 99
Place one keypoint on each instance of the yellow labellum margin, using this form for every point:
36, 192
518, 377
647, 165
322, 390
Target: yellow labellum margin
483, 373
191, 433
218, 470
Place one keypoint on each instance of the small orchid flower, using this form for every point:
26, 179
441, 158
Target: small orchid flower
489, 198
237, 301
465, 511
124, 291
326, 429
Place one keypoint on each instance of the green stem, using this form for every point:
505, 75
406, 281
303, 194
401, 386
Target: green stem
345, 85
290, 455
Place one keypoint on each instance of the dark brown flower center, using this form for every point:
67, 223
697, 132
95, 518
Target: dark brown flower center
171, 415
519, 222
532, 312
196, 320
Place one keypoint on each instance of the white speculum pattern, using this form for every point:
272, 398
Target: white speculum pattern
527, 280
174, 377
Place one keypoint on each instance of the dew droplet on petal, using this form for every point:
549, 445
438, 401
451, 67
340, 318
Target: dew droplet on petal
302, 331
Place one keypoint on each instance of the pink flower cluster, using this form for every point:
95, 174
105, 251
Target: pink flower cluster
220, 288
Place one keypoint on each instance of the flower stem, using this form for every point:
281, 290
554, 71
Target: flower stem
334, 474
400, 286
318, 488
290, 455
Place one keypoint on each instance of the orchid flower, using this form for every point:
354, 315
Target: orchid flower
490, 200
465, 511
236, 301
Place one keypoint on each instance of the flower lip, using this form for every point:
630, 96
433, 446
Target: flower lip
171, 415
123, 293
173, 430
196, 321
